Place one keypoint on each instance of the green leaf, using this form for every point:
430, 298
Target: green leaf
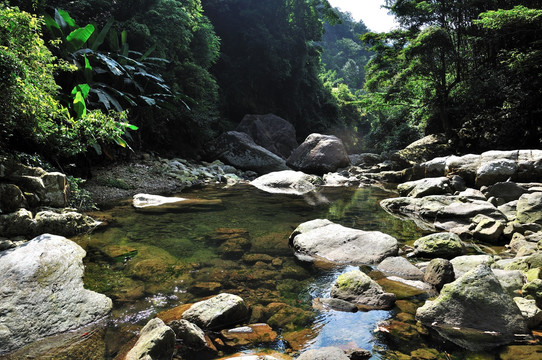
53, 27
66, 17
114, 40
79, 37
132, 127
81, 88
97, 148
147, 53
60, 21
101, 36
113, 66
79, 105
87, 71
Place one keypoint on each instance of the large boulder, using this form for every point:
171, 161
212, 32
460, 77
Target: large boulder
41, 283
271, 132
11, 198
495, 171
425, 187
56, 190
239, 150
441, 212
287, 182
323, 239
156, 342
529, 208
356, 287
439, 272
474, 312
422, 150
219, 311
319, 154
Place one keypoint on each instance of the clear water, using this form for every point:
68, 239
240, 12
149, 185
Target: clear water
148, 262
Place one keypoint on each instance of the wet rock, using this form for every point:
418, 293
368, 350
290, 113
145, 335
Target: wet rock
43, 294
358, 354
334, 304
205, 288
399, 266
287, 182
358, 288
325, 353
156, 341
530, 311
17, 223
523, 352
217, 312
319, 154
146, 200
250, 334
191, 335
271, 132
335, 179
288, 317
529, 208
11, 198
444, 245
239, 150
440, 212
235, 247
321, 238
425, 187
65, 223
439, 272
476, 301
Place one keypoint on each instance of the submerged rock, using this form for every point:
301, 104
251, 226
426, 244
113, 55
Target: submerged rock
325, 353
41, 283
474, 312
287, 182
217, 312
319, 154
358, 288
321, 238
156, 342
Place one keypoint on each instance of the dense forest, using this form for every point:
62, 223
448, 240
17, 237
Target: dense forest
81, 77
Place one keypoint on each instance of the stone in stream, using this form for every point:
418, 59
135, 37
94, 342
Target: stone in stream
444, 245
287, 182
41, 283
319, 154
358, 288
474, 312
323, 239
156, 342
439, 272
401, 267
425, 187
219, 311
191, 335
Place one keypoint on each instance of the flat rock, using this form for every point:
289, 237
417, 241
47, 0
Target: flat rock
287, 182
41, 283
399, 266
323, 239
325, 353
219, 311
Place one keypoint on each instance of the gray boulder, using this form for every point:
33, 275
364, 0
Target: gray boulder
399, 266
444, 245
56, 190
441, 212
424, 149
323, 239
191, 335
529, 208
156, 342
65, 223
495, 171
239, 150
439, 272
474, 312
507, 191
487, 229
530, 311
465, 263
425, 187
271, 132
325, 353
11, 198
365, 159
41, 283
217, 312
319, 154
287, 182
356, 287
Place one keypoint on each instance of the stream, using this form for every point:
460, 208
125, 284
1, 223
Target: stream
236, 241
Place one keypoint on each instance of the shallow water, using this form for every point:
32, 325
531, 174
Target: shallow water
151, 261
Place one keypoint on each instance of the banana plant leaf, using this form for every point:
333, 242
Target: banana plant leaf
78, 37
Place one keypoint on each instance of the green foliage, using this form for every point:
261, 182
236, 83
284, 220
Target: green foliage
80, 198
